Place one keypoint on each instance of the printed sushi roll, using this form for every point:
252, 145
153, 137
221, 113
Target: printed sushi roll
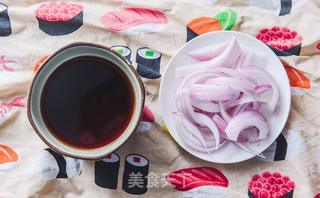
8, 158
278, 7
107, 170
135, 175
50, 165
59, 18
123, 50
5, 24
148, 62
282, 41
270, 185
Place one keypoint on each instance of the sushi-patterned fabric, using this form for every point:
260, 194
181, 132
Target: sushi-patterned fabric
149, 32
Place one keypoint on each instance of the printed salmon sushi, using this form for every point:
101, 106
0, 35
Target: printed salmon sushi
135, 20
5, 23
40, 63
8, 158
282, 40
270, 185
59, 18
197, 180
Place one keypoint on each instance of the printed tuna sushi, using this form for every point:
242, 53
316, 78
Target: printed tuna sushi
9, 63
148, 63
283, 41
225, 20
8, 158
123, 50
107, 170
135, 20
135, 175
48, 165
5, 24
204, 180
270, 185
59, 18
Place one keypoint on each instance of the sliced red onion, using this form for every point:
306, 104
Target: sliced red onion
221, 98
208, 52
245, 120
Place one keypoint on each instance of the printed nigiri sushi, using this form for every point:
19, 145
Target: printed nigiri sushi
5, 23
59, 18
204, 180
6, 108
40, 63
282, 40
107, 170
135, 20
148, 63
9, 63
8, 158
48, 165
278, 7
123, 50
288, 145
270, 185
147, 119
136, 166
224, 20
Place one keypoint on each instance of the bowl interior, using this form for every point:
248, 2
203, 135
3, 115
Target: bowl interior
63, 55
229, 153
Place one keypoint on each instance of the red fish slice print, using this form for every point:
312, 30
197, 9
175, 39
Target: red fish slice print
198, 177
6, 108
8, 158
135, 20
9, 63
297, 78
147, 115
40, 63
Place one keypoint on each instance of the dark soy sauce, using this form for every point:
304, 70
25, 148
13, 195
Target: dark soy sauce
87, 102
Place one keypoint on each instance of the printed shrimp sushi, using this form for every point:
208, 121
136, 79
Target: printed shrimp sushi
123, 50
136, 166
148, 62
107, 170
59, 18
270, 185
5, 24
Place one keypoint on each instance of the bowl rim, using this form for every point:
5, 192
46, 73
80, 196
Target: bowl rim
87, 151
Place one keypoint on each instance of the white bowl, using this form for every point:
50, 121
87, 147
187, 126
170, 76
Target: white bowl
229, 153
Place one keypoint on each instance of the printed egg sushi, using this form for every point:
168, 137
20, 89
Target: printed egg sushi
123, 50
136, 166
148, 62
107, 170
5, 24
270, 185
59, 18
8, 158
282, 40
